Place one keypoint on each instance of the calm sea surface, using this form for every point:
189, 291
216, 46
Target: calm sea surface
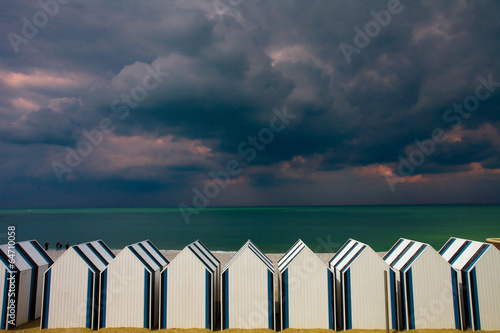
274, 230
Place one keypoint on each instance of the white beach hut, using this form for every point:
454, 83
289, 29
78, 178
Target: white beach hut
359, 288
425, 287
188, 289
478, 274
247, 290
130, 287
72, 287
306, 289
23, 280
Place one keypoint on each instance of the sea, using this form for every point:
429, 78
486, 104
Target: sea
272, 229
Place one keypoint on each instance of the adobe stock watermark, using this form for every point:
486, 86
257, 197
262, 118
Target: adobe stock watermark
222, 178
30, 28
455, 116
372, 29
121, 106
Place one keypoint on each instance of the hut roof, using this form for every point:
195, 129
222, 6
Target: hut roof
252, 247
463, 254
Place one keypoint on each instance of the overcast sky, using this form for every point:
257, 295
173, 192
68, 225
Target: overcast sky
136, 103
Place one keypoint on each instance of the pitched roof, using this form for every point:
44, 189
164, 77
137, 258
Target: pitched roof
204, 255
35, 252
252, 247
149, 255
463, 254
20, 263
402, 255
96, 254
347, 254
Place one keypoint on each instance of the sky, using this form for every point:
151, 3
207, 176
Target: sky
193, 104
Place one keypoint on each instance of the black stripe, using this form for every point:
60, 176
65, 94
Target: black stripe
402, 253
203, 245
355, 256
209, 259
158, 251
97, 297
473, 297
345, 255
148, 312
162, 303
150, 255
97, 253
474, 257
42, 252
459, 251
45, 296
141, 259
87, 260
106, 248
445, 246
420, 249
393, 248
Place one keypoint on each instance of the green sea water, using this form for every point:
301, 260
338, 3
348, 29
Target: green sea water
273, 229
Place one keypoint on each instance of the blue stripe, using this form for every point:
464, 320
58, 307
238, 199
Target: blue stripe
207, 297
146, 305
6, 296
347, 282
403, 300
411, 306
165, 298
476, 302
89, 299
47, 298
455, 298
287, 322
393, 300
32, 297
270, 299
226, 299
443, 250
104, 290
330, 298
459, 254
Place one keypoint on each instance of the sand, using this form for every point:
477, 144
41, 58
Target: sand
34, 326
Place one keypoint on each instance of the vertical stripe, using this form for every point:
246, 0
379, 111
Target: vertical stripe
164, 298
226, 299
411, 312
393, 299
475, 300
270, 304
104, 298
470, 301
33, 293
455, 298
146, 298
287, 310
89, 299
330, 300
348, 315
403, 315
46, 298
5, 299
207, 300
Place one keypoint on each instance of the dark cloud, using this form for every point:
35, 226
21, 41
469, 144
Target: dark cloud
227, 71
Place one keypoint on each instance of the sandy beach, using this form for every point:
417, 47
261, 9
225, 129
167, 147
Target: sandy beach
35, 327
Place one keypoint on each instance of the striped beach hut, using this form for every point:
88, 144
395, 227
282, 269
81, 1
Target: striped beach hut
72, 287
426, 288
188, 289
477, 267
359, 287
130, 286
306, 289
247, 287
21, 293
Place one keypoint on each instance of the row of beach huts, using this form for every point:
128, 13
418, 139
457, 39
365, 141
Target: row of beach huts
411, 287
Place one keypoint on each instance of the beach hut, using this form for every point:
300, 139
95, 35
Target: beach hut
359, 288
247, 287
130, 286
188, 289
306, 289
477, 267
425, 287
72, 287
22, 271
